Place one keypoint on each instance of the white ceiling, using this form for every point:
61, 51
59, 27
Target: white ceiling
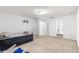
53, 11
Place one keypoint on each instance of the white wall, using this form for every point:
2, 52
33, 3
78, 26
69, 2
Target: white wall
66, 25
70, 26
78, 27
13, 23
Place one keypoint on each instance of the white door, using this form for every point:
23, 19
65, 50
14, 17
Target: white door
52, 27
43, 28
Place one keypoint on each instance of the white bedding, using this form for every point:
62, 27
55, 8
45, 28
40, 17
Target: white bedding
11, 35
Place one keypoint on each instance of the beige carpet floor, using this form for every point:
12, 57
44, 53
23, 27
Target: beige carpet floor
51, 45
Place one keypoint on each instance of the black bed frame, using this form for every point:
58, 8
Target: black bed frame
7, 43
